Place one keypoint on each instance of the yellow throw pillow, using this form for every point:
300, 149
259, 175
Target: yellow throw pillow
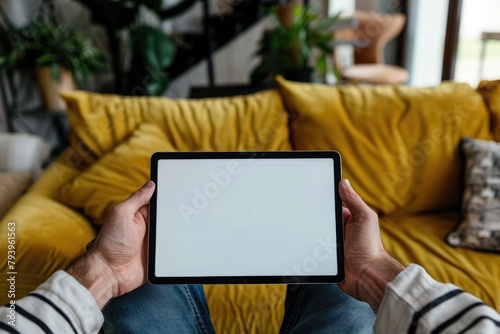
490, 90
113, 178
251, 122
400, 145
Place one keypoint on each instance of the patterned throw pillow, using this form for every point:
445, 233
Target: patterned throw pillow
480, 224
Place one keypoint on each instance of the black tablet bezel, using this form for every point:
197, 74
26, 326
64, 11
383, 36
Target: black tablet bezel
339, 278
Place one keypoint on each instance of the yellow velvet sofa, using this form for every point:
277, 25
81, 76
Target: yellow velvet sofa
400, 149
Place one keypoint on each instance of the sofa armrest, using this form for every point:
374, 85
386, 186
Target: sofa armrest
23, 152
48, 235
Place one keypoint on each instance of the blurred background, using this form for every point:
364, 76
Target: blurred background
176, 48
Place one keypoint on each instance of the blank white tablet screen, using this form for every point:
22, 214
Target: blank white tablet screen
245, 217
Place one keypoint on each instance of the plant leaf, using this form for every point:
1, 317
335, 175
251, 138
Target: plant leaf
45, 44
152, 52
283, 49
153, 45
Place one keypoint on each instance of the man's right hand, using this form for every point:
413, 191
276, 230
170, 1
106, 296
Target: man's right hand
116, 262
368, 266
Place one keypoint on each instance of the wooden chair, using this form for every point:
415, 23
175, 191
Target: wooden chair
373, 30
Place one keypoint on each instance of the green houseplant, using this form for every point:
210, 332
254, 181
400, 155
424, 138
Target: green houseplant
58, 54
287, 47
151, 50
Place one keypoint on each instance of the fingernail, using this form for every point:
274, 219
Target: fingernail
148, 184
347, 183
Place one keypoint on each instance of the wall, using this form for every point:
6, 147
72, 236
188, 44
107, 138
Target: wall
232, 64
345, 6
426, 31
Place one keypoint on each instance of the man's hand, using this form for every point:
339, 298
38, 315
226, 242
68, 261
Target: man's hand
116, 262
368, 266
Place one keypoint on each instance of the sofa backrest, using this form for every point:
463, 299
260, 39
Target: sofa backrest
400, 145
253, 122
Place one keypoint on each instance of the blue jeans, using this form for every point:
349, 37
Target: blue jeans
316, 308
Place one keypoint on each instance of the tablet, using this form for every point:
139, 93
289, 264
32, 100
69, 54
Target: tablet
245, 217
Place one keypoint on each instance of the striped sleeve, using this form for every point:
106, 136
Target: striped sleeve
416, 303
60, 305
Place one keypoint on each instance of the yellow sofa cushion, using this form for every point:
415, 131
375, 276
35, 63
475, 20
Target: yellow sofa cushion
251, 309
400, 145
420, 239
113, 178
252, 122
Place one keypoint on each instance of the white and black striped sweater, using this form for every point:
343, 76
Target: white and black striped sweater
413, 303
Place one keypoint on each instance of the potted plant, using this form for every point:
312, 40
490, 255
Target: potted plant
286, 48
142, 71
58, 54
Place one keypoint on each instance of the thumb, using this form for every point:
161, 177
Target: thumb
351, 199
141, 197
